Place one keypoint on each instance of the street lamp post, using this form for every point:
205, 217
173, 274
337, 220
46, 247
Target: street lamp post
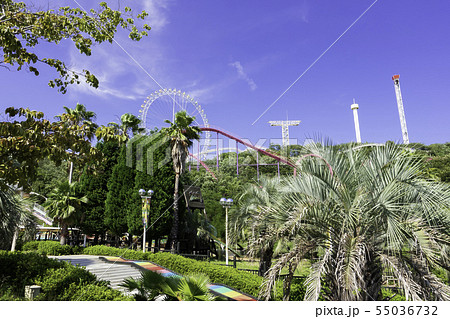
146, 197
225, 204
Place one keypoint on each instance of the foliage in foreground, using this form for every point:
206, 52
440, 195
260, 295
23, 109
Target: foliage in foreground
59, 280
362, 213
152, 285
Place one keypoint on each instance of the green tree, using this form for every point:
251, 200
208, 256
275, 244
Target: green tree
94, 185
119, 203
181, 136
48, 176
372, 214
259, 199
153, 171
23, 143
64, 206
22, 29
121, 132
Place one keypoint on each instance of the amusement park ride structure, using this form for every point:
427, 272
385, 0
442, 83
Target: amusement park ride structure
285, 129
401, 110
163, 104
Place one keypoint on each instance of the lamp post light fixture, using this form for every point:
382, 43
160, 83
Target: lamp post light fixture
226, 203
146, 197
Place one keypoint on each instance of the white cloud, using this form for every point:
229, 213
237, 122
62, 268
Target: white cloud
156, 9
240, 70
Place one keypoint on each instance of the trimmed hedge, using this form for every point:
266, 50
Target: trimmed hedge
30, 245
112, 251
52, 248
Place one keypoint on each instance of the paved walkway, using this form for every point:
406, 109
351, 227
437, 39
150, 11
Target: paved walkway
114, 273
117, 269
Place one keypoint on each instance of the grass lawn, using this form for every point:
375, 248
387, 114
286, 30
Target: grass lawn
302, 269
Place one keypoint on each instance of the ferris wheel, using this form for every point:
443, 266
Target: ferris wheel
163, 104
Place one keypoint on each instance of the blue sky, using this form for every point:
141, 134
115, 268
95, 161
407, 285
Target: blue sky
237, 57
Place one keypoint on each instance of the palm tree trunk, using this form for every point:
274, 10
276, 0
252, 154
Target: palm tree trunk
14, 240
64, 233
288, 281
174, 231
265, 260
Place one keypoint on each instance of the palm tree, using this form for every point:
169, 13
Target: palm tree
373, 213
128, 122
78, 116
13, 214
257, 201
64, 206
79, 113
181, 136
153, 285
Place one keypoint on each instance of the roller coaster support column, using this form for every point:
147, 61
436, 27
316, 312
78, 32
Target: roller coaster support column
278, 164
217, 151
237, 159
257, 165
198, 155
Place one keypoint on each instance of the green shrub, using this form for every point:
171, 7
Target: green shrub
92, 292
54, 248
388, 294
30, 245
112, 251
72, 283
58, 280
54, 282
19, 269
298, 289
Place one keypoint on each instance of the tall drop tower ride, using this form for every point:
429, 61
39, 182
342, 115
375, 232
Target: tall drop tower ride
401, 111
355, 107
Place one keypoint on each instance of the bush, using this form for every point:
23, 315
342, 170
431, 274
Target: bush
92, 292
19, 269
72, 283
54, 248
111, 251
58, 280
388, 294
298, 289
30, 245
54, 282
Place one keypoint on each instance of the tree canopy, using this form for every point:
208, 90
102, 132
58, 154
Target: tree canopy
23, 28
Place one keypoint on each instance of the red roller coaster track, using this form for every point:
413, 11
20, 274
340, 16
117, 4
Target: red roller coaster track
259, 150
278, 158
